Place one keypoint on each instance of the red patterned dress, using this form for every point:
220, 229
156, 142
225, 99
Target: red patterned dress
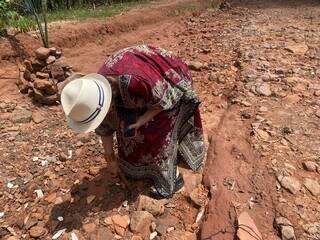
151, 77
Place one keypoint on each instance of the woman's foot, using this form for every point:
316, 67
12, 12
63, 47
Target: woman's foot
161, 194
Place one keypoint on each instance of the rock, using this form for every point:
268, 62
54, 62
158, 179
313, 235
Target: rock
42, 75
38, 65
153, 235
121, 221
312, 185
37, 117
94, 170
287, 233
191, 180
89, 228
53, 51
199, 196
45, 85
27, 75
299, 48
263, 135
51, 59
23, 85
263, 89
42, 53
290, 183
251, 229
104, 234
57, 72
318, 113
140, 223
213, 77
21, 116
44, 99
310, 166
165, 222
90, 199
181, 235
196, 66
155, 207
28, 65
37, 231
281, 221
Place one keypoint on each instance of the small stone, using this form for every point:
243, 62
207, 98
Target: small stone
317, 93
57, 72
194, 65
51, 59
213, 77
28, 65
165, 222
318, 113
263, 89
290, 183
42, 53
121, 221
21, 116
312, 185
42, 75
37, 117
155, 207
263, 135
153, 235
140, 223
94, 170
37, 231
53, 50
191, 180
287, 233
50, 198
89, 227
281, 221
45, 85
90, 199
104, 234
199, 196
310, 166
299, 48
27, 75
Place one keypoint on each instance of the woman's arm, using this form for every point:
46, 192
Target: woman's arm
145, 118
107, 143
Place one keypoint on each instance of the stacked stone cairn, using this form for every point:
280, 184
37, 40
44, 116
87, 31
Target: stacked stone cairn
41, 77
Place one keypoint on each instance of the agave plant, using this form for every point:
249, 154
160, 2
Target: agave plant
38, 8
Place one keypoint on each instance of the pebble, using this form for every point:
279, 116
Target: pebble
21, 116
90, 199
89, 227
312, 185
318, 113
121, 221
37, 117
290, 183
263, 89
287, 233
199, 196
153, 235
310, 166
297, 48
37, 231
59, 234
140, 222
155, 207
194, 65
42, 53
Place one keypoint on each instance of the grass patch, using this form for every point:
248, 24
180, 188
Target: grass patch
84, 13
185, 7
28, 23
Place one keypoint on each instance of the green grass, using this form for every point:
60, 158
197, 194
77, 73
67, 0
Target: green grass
84, 13
27, 23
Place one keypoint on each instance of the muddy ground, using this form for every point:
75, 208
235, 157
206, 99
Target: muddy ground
256, 69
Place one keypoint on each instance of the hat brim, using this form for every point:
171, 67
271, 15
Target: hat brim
91, 126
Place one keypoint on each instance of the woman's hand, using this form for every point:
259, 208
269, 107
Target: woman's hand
145, 118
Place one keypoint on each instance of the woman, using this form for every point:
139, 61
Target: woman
153, 111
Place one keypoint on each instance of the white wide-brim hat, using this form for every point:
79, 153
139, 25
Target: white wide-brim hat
86, 102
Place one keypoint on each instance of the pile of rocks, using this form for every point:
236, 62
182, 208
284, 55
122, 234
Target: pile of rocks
41, 77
